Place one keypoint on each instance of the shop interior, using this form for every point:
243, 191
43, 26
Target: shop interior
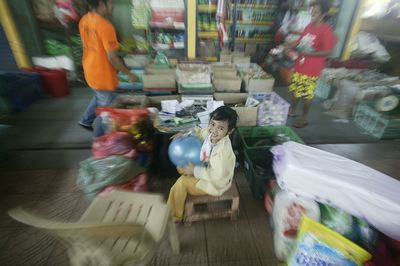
326, 190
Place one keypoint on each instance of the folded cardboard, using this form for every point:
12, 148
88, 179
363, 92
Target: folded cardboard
231, 84
247, 115
159, 81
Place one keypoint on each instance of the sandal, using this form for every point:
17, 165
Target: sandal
300, 124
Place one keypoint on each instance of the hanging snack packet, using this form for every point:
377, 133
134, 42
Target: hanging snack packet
319, 245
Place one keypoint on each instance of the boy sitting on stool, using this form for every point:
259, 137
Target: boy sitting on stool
217, 154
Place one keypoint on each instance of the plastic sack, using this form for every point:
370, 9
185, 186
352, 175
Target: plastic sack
367, 44
137, 184
113, 143
338, 220
95, 175
286, 215
319, 245
334, 180
124, 119
355, 229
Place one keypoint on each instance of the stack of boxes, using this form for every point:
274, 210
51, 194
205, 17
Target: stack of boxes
194, 82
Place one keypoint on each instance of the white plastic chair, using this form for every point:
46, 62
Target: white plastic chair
117, 228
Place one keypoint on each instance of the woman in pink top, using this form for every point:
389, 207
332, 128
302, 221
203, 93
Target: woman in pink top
314, 45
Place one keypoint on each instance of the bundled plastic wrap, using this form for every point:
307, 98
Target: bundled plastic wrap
331, 179
287, 213
95, 175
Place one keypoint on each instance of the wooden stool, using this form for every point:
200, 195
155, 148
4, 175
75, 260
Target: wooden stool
212, 206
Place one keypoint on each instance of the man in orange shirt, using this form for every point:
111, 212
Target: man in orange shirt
100, 60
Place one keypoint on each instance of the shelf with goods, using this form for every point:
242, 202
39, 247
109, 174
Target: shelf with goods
207, 31
250, 25
167, 27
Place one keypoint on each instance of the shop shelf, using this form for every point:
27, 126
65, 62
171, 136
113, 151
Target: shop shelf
207, 34
254, 40
207, 8
163, 25
255, 6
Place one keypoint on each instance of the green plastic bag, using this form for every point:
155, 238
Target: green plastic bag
95, 175
338, 220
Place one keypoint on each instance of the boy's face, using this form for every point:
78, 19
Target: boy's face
218, 130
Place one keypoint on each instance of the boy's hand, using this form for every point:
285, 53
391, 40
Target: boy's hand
188, 169
178, 135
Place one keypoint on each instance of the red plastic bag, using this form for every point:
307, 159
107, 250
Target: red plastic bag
138, 184
112, 143
123, 119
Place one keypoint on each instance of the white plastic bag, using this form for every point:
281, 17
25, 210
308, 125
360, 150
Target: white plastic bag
287, 213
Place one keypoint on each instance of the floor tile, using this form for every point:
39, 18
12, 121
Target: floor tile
271, 262
79, 209
263, 237
193, 247
63, 181
58, 256
57, 205
229, 241
5, 234
27, 182
237, 263
28, 246
8, 202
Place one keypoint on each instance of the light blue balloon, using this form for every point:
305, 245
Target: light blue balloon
185, 150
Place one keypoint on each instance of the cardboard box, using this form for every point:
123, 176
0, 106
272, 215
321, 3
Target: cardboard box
241, 59
259, 84
225, 74
160, 71
232, 84
156, 100
159, 81
247, 115
193, 73
198, 99
231, 98
225, 57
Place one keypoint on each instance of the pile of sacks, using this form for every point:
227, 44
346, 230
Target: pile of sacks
120, 154
348, 205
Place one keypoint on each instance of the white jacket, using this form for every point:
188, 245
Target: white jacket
217, 177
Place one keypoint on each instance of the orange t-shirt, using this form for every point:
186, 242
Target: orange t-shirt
98, 36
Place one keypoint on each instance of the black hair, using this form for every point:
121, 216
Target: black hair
225, 113
324, 6
94, 4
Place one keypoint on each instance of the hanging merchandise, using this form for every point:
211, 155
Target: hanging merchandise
44, 10
65, 12
140, 14
167, 11
221, 22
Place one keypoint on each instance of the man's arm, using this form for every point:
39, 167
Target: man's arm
119, 65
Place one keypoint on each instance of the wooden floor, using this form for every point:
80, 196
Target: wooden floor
40, 173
